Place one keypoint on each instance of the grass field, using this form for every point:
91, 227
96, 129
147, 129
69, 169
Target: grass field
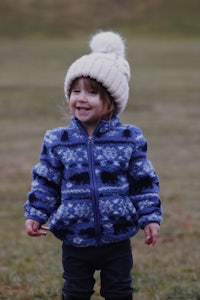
23, 18
164, 101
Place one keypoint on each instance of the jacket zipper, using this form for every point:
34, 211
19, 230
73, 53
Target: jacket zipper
93, 191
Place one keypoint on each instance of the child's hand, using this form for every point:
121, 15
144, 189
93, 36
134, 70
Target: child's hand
151, 233
33, 228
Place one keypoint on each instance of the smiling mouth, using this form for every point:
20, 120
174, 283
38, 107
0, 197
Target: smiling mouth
82, 108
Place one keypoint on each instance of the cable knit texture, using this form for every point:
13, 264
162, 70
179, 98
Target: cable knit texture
95, 190
107, 64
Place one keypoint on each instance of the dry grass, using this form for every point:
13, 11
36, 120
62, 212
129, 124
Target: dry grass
66, 18
164, 101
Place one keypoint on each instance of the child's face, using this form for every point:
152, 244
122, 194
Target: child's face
86, 104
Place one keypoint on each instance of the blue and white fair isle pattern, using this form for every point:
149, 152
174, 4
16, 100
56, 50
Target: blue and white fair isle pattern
94, 191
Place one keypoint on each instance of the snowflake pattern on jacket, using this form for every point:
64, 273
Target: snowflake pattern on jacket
97, 190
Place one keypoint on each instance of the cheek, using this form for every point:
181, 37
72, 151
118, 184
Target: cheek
101, 106
104, 109
71, 104
71, 108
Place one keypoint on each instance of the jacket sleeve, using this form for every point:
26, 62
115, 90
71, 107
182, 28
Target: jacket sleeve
44, 196
144, 184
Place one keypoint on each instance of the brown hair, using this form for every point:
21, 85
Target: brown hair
107, 99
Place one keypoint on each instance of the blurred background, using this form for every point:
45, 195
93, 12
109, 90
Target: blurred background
66, 18
38, 42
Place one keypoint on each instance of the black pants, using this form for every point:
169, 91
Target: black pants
114, 262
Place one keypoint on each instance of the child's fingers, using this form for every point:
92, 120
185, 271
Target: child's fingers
147, 232
148, 240
45, 228
151, 233
33, 228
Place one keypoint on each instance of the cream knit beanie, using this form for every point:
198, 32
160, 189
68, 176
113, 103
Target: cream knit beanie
106, 64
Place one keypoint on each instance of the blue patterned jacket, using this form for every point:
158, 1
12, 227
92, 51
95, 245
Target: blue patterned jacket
95, 190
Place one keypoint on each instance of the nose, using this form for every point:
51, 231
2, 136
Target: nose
81, 96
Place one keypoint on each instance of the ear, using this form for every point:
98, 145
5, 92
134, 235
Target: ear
112, 108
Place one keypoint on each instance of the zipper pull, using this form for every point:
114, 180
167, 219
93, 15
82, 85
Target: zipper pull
90, 140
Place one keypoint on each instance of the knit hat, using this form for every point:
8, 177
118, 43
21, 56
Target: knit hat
106, 64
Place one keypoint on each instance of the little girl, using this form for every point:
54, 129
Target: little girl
94, 183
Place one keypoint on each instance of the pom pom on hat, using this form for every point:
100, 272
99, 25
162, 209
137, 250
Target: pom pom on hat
107, 64
107, 42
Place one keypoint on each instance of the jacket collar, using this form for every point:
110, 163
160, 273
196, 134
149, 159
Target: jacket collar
103, 126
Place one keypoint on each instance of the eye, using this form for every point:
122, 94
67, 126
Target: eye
75, 90
93, 92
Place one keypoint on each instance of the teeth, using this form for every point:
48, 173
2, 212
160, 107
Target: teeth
83, 108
